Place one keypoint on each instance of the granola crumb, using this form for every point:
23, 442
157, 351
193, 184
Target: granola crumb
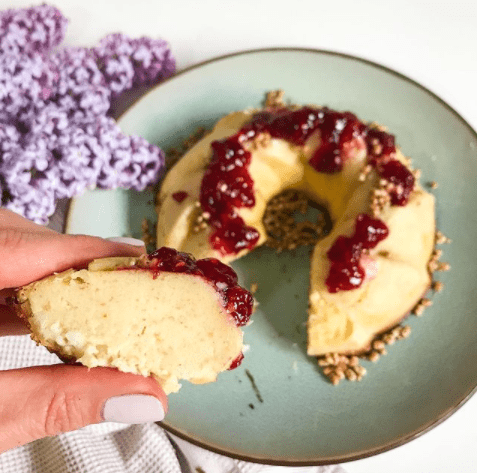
443, 267
274, 99
378, 126
365, 172
380, 197
418, 309
260, 141
201, 220
437, 286
283, 231
337, 367
426, 302
441, 238
417, 174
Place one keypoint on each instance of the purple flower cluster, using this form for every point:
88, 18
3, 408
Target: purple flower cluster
33, 30
56, 137
126, 62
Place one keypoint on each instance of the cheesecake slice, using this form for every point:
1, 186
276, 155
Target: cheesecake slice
164, 315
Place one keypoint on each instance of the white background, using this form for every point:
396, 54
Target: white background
433, 42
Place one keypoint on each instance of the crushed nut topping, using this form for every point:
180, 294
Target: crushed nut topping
441, 238
337, 367
437, 286
260, 141
283, 231
274, 99
380, 197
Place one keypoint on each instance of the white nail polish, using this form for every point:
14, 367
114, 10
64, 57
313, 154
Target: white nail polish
133, 409
127, 241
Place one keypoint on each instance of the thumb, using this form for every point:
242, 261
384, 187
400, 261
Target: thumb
47, 400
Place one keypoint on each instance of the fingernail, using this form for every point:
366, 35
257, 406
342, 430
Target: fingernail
127, 241
133, 409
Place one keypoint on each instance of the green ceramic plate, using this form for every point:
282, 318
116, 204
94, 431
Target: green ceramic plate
290, 414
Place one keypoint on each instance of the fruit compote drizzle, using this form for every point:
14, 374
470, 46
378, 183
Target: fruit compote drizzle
180, 196
237, 301
228, 186
345, 255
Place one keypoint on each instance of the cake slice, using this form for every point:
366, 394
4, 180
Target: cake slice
164, 315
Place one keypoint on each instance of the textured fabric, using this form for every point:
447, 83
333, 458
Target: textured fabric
113, 448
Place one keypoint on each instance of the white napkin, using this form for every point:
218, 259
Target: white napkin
114, 448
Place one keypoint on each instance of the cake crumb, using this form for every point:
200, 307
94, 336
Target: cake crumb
380, 197
253, 287
417, 174
337, 367
418, 309
260, 141
441, 238
365, 172
378, 126
443, 267
437, 286
201, 221
274, 99
283, 231
433, 185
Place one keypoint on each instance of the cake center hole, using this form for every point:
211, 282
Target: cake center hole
292, 220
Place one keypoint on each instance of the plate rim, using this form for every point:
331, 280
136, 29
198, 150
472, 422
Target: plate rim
416, 433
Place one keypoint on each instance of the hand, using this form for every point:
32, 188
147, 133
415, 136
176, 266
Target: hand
43, 401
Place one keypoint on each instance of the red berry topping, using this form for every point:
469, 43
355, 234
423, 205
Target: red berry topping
344, 249
237, 362
233, 236
228, 186
220, 274
369, 231
346, 272
336, 129
239, 304
401, 178
345, 276
180, 196
237, 301
170, 260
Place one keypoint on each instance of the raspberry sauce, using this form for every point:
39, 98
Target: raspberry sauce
237, 362
346, 271
180, 196
237, 301
228, 186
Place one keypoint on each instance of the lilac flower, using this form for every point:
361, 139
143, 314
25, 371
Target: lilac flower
28, 180
81, 90
127, 62
37, 29
35, 200
131, 162
56, 139
9, 138
79, 159
24, 81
